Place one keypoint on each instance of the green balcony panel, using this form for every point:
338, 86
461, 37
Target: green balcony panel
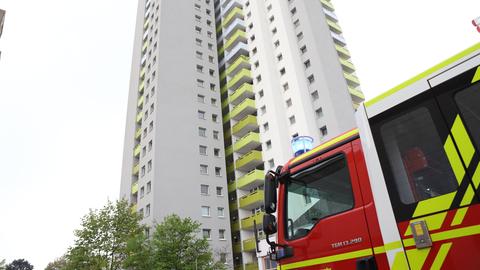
136, 169
252, 200
251, 180
138, 133
245, 125
347, 65
239, 36
247, 223
247, 143
221, 50
249, 161
232, 186
133, 208
343, 52
228, 151
249, 245
219, 27
243, 92
142, 72
223, 75
233, 206
226, 118
356, 94
327, 5
230, 168
241, 62
135, 188
334, 26
225, 103
139, 116
242, 76
251, 266
145, 45
136, 150
141, 87
234, 13
223, 89
227, 134
243, 109
145, 25
352, 80
140, 102
237, 248
235, 226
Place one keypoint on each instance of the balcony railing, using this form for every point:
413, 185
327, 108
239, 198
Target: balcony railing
251, 179
243, 92
243, 109
249, 161
334, 26
327, 5
138, 133
242, 61
249, 245
344, 53
351, 79
236, 12
247, 143
136, 169
245, 125
242, 77
139, 117
136, 150
347, 65
141, 87
247, 223
135, 188
252, 200
239, 36
140, 102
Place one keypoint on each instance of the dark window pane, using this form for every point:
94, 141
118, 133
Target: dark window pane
468, 101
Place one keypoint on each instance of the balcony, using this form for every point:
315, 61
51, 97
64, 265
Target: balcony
342, 51
235, 226
357, 95
247, 223
251, 201
241, 62
136, 169
338, 39
242, 77
136, 150
233, 205
249, 245
229, 6
251, 266
239, 49
330, 14
138, 133
249, 161
140, 102
230, 168
141, 87
223, 75
334, 26
228, 150
245, 125
243, 92
225, 103
243, 109
251, 180
145, 25
347, 65
237, 248
234, 13
247, 143
145, 45
232, 186
239, 36
235, 25
223, 89
142, 72
326, 4
352, 80
135, 188
139, 117
133, 208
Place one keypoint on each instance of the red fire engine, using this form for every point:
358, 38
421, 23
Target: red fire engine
400, 192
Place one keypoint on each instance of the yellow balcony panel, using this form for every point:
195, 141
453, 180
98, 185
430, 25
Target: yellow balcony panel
249, 245
243, 76
145, 45
239, 36
232, 186
136, 150
234, 13
347, 65
225, 103
251, 180
140, 102
233, 205
342, 51
247, 223
357, 95
145, 25
136, 169
245, 125
249, 161
138, 133
223, 75
251, 266
141, 87
237, 248
227, 134
240, 63
223, 89
247, 143
352, 80
243, 109
252, 201
221, 50
235, 226
243, 92
139, 116
334, 26
219, 28
135, 188
226, 118
228, 151
142, 72
133, 208
327, 5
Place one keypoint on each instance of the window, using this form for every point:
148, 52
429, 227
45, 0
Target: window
276, 43
142, 192
296, 23
293, 11
300, 36
280, 57
223, 258
152, 107
201, 98
202, 132
271, 19
214, 118
147, 210
218, 171
203, 169
288, 102
205, 211
316, 193
197, 7
265, 127
198, 30
319, 112
260, 93
274, 30
220, 212
314, 95
311, 79
204, 189
221, 234
206, 233
303, 49
216, 152
211, 72
201, 115
259, 78
271, 163
306, 64
199, 54
250, 26
467, 101
144, 151
143, 171
252, 38
216, 135
269, 7
149, 187
210, 46
200, 83
292, 119
200, 68
149, 165
219, 191
254, 51
150, 127
210, 59
263, 110
282, 71
268, 144
285, 86
213, 101
256, 64
212, 87
198, 42
197, 18
202, 150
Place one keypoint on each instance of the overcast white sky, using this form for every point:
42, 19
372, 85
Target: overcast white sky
64, 76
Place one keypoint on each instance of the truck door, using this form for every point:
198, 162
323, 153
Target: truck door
321, 214
428, 149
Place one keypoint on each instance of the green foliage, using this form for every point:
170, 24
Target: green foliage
20, 264
58, 264
2, 265
101, 243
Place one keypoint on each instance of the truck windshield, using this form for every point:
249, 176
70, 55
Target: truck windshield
315, 193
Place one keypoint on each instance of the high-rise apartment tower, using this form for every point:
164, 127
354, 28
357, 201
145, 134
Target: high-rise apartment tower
218, 90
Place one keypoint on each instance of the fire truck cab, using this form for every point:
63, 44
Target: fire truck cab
400, 192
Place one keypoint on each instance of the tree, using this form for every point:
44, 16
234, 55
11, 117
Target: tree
101, 243
2, 264
58, 264
174, 245
20, 264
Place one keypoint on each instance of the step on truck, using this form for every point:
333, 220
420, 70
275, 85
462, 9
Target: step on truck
400, 192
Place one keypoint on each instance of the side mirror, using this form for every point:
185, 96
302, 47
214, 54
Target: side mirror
270, 190
269, 224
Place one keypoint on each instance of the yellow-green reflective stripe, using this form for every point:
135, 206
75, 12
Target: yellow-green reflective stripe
463, 141
417, 257
459, 216
454, 159
436, 204
442, 253
476, 77
393, 245
434, 222
400, 262
446, 235
379, 250
328, 259
468, 197
476, 176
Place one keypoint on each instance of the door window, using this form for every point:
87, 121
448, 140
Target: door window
468, 101
315, 193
